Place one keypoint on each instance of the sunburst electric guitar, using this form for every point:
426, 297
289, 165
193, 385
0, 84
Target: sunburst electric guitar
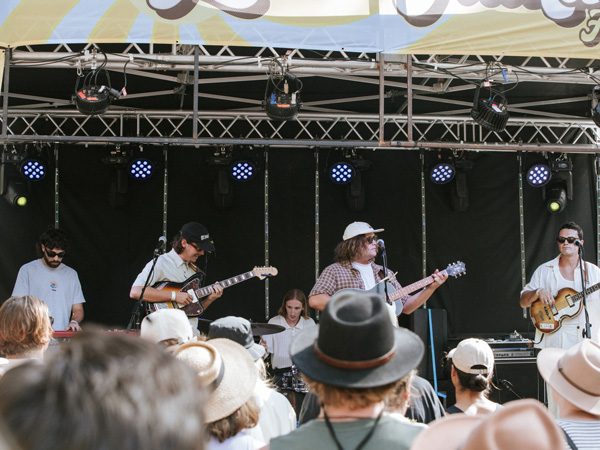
454, 270
567, 304
191, 286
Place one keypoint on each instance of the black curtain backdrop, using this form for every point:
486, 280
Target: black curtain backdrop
112, 242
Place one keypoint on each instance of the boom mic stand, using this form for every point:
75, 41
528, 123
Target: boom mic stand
587, 332
136, 313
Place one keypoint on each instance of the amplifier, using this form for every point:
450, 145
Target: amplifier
513, 349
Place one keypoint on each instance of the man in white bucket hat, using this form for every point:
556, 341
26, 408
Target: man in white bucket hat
354, 268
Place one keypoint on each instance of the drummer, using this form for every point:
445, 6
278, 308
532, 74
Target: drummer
293, 316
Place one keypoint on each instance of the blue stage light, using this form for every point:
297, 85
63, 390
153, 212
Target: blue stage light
442, 173
141, 169
242, 170
33, 169
539, 175
342, 173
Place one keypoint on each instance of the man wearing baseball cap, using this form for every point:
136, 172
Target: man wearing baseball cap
192, 241
354, 267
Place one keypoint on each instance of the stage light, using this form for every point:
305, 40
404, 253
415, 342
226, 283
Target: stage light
94, 98
342, 172
140, 169
282, 96
539, 174
16, 193
556, 197
442, 173
242, 170
491, 113
33, 169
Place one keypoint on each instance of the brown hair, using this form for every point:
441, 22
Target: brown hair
352, 398
396, 400
246, 416
24, 325
473, 382
294, 294
348, 250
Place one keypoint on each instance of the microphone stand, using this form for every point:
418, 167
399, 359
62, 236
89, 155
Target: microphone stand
587, 332
138, 307
385, 285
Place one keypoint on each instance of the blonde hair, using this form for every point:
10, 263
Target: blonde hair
24, 325
246, 416
401, 392
352, 398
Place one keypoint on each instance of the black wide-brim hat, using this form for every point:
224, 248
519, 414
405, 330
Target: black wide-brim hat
355, 344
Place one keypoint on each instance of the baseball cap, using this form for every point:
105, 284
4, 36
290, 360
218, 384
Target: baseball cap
473, 356
356, 228
198, 234
167, 324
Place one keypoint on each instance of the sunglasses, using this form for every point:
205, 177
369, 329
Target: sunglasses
52, 254
371, 239
569, 239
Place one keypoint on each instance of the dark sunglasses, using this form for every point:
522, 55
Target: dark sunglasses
52, 254
569, 239
371, 239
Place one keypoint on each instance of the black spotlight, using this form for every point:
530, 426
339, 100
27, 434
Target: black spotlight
342, 172
242, 170
282, 96
596, 105
94, 98
556, 196
442, 173
491, 113
140, 168
539, 174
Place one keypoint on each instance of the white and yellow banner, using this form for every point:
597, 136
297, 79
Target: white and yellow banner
562, 28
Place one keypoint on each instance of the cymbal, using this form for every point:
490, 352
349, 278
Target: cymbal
261, 329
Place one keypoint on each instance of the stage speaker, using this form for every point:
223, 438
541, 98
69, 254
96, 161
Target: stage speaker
418, 322
517, 378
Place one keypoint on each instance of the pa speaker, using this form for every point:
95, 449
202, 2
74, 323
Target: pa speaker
517, 378
418, 322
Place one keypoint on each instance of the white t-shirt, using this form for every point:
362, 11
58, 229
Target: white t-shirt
366, 272
279, 344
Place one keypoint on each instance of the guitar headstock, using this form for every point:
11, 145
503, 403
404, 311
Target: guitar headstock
264, 272
456, 269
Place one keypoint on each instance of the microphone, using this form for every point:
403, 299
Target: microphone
160, 244
578, 243
380, 243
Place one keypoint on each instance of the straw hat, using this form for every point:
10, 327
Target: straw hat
225, 368
574, 373
473, 356
522, 424
355, 345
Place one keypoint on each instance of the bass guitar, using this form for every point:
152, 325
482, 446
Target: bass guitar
567, 304
191, 286
453, 270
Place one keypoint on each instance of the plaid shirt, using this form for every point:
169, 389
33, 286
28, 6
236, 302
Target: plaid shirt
342, 276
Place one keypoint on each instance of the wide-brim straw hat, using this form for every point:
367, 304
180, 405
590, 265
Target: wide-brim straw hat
574, 373
355, 345
226, 369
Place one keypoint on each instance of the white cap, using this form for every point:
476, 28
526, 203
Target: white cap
167, 324
473, 356
356, 228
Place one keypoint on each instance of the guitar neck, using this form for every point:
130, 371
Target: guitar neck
404, 291
206, 290
588, 291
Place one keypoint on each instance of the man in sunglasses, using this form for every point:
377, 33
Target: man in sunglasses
191, 242
354, 267
53, 282
564, 271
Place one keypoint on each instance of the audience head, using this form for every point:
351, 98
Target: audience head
167, 327
522, 424
226, 369
573, 374
25, 327
355, 356
291, 295
238, 330
473, 361
104, 390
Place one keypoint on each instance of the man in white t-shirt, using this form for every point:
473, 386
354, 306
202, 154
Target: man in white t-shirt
354, 267
53, 282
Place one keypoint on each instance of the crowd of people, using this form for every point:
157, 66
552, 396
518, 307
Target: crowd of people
173, 387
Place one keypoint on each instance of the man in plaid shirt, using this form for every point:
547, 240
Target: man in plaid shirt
354, 268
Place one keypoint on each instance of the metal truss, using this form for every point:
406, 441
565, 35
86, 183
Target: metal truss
439, 87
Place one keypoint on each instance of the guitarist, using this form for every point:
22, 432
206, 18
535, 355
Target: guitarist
177, 266
354, 267
564, 272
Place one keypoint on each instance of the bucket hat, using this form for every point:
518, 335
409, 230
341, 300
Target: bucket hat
239, 330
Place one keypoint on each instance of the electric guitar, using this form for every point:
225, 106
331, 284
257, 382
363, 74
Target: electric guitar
454, 270
191, 286
567, 304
